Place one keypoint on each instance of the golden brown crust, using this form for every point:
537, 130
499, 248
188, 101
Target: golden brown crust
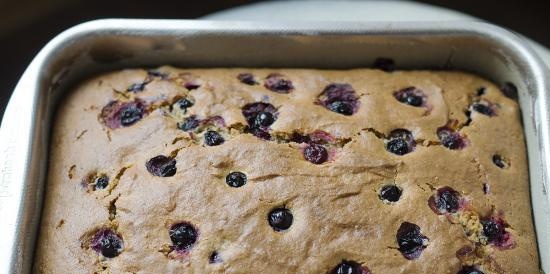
337, 211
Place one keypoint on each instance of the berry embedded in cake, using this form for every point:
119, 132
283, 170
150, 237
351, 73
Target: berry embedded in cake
278, 83
161, 166
340, 98
236, 179
411, 96
390, 193
470, 270
315, 153
400, 142
183, 236
247, 78
107, 243
451, 138
411, 241
118, 114
213, 138
445, 200
350, 267
280, 219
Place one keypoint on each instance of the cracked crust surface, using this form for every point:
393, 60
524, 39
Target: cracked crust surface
336, 207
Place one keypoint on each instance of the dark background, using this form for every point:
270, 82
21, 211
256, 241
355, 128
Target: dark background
27, 25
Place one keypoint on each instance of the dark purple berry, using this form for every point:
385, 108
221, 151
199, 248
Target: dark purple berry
349, 267
192, 85
264, 119
236, 179
101, 182
390, 193
469, 270
445, 200
183, 236
400, 142
341, 107
510, 90
481, 91
499, 161
385, 64
184, 103
450, 138
107, 242
214, 258
252, 111
339, 98
137, 87
161, 166
280, 219
276, 82
410, 96
117, 114
189, 123
410, 240
247, 78
156, 73
213, 138
316, 154
493, 230
483, 109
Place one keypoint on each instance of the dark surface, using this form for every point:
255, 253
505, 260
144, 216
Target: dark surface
21, 42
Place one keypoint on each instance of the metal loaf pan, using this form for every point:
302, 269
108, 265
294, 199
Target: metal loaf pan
110, 44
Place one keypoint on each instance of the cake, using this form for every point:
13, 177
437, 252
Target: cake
240, 170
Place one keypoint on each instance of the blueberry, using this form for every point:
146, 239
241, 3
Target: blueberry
339, 98
191, 85
184, 103
275, 82
137, 87
316, 154
385, 64
213, 138
390, 193
247, 78
156, 73
341, 107
161, 166
183, 236
446, 200
469, 270
189, 123
214, 258
494, 231
410, 96
264, 119
130, 114
107, 242
349, 267
411, 242
481, 91
280, 219
236, 179
483, 109
253, 110
499, 161
101, 182
450, 138
400, 142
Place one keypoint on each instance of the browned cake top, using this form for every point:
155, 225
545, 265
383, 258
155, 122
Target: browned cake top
287, 171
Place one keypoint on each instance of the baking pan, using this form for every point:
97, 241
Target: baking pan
103, 45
